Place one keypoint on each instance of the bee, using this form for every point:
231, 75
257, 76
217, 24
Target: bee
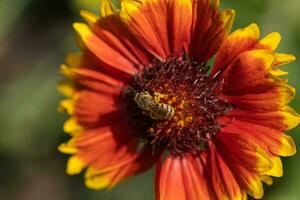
157, 111
144, 100
162, 111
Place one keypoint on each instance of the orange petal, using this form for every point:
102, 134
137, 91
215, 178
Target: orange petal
179, 24
246, 160
249, 181
249, 73
244, 151
282, 120
109, 143
105, 152
209, 28
110, 176
270, 139
162, 27
112, 30
272, 99
90, 74
236, 43
183, 178
107, 47
91, 106
147, 20
86, 60
93, 80
223, 180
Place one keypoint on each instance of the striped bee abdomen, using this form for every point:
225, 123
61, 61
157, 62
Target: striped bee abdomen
157, 111
162, 111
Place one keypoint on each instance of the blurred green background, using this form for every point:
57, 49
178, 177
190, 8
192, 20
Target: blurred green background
34, 37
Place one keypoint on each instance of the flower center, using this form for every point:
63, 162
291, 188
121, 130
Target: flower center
175, 104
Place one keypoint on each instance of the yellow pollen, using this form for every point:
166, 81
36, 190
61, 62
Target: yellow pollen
158, 97
180, 123
181, 117
182, 104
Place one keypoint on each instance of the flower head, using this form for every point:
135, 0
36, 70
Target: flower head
142, 94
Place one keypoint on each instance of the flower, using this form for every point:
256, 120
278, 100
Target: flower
142, 94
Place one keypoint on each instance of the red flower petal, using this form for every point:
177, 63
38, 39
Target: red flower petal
272, 99
179, 24
91, 107
110, 152
209, 28
107, 145
147, 21
110, 51
236, 43
241, 150
87, 60
249, 73
247, 159
283, 119
182, 178
108, 177
270, 139
247, 39
224, 183
93, 80
112, 30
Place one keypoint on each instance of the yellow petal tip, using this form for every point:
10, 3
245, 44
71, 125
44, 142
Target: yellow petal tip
107, 8
66, 88
75, 165
271, 41
72, 127
283, 59
267, 179
96, 180
66, 105
82, 30
89, 17
67, 148
254, 27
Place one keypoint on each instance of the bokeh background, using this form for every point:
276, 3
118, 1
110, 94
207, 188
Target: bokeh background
35, 35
